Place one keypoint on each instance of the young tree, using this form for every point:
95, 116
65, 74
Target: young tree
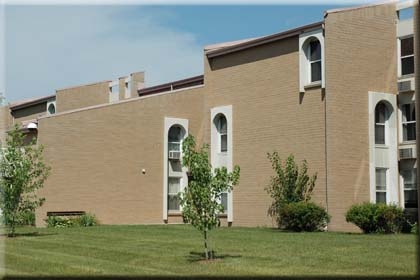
290, 184
23, 172
201, 198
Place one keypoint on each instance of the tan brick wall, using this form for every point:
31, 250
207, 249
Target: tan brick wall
82, 96
361, 56
137, 81
5, 122
97, 156
269, 113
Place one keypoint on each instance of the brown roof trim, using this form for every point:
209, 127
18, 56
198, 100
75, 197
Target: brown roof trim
31, 102
264, 40
189, 82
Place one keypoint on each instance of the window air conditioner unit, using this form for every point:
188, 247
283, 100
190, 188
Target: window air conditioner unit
405, 86
408, 153
176, 155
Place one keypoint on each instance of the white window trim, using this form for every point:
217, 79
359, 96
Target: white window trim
48, 105
401, 123
386, 126
399, 64
386, 183
304, 76
403, 185
215, 154
168, 123
391, 150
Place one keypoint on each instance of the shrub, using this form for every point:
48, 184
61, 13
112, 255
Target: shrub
26, 218
415, 228
292, 184
58, 222
85, 220
380, 218
303, 216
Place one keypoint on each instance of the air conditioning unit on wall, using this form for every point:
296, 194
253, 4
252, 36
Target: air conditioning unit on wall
175, 155
408, 153
405, 86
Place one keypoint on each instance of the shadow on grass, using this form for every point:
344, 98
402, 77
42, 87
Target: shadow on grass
201, 257
27, 234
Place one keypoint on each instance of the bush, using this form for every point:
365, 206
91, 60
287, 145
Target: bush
303, 216
380, 218
26, 218
290, 184
58, 222
85, 220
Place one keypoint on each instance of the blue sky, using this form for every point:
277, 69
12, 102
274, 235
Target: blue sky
52, 47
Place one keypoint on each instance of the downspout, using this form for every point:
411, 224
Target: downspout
416, 31
324, 92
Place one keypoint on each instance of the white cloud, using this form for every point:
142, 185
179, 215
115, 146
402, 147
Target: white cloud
51, 47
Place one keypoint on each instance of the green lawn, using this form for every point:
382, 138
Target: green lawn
175, 250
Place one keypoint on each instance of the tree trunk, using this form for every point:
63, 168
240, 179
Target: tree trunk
206, 251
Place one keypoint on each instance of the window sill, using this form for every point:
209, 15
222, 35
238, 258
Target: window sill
313, 85
403, 77
174, 213
411, 142
381, 146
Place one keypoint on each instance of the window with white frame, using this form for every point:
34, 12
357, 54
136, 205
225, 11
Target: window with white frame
224, 201
51, 108
381, 184
381, 116
407, 56
408, 122
410, 187
314, 59
221, 125
174, 184
174, 138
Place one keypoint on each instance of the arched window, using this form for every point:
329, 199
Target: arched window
221, 126
314, 60
174, 138
381, 117
51, 109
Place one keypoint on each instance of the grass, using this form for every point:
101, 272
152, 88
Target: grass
175, 250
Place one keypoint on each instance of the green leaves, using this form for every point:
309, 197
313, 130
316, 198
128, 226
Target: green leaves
290, 184
201, 199
23, 173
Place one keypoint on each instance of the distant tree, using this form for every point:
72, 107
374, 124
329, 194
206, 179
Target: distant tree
23, 172
201, 198
290, 183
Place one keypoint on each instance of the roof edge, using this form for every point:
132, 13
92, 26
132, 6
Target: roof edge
171, 85
83, 85
338, 10
23, 104
264, 40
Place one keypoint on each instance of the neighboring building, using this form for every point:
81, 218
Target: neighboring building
338, 93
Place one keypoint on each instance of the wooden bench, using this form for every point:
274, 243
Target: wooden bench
65, 213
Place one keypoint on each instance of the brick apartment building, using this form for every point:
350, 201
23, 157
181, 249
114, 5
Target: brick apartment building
338, 93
